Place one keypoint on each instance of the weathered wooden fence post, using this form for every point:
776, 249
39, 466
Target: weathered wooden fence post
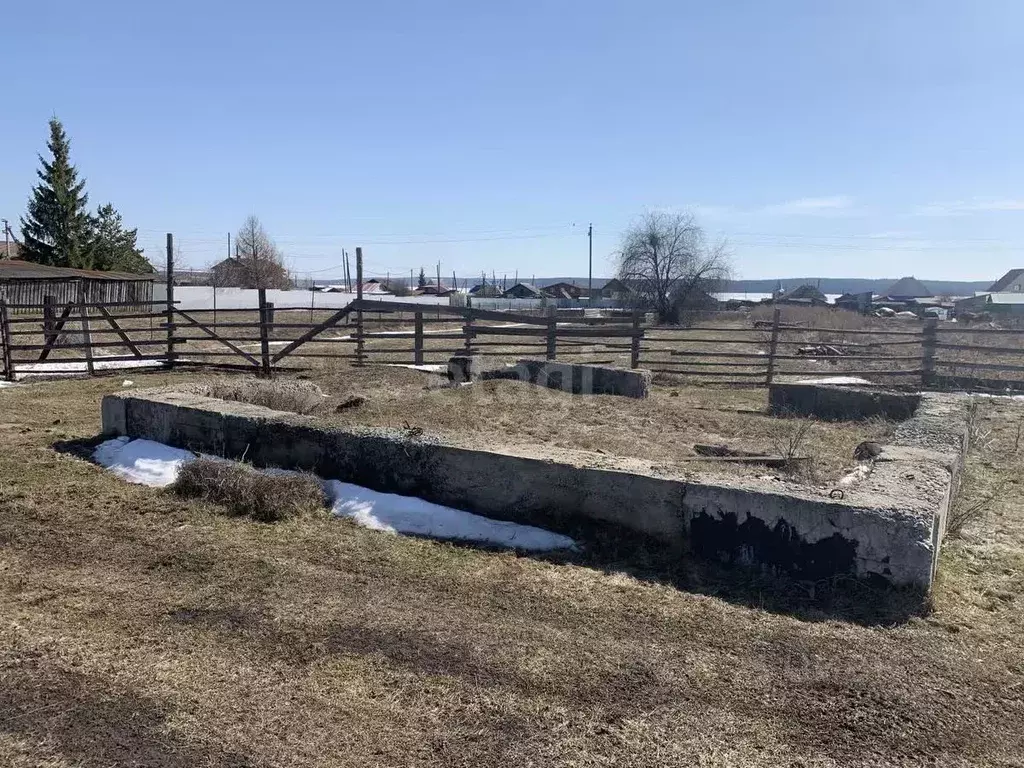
360, 353
634, 341
773, 344
469, 333
552, 335
83, 314
929, 339
264, 334
49, 318
5, 340
417, 339
170, 300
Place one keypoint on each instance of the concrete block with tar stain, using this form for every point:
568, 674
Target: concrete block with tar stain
888, 525
577, 378
841, 402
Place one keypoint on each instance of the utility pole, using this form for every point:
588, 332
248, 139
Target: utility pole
455, 281
590, 262
439, 277
7, 239
229, 245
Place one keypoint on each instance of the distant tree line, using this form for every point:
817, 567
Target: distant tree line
59, 230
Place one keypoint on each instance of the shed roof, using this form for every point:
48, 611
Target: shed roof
15, 269
1005, 280
908, 288
806, 292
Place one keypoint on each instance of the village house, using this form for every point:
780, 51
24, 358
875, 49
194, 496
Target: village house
1011, 282
522, 291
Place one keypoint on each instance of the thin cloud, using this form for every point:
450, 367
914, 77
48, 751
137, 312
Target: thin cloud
809, 206
966, 207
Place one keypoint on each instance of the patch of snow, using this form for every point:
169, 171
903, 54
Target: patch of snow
141, 461
406, 514
426, 368
835, 380
56, 367
4, 383
157, 465
856, 475
258, 344
127, 383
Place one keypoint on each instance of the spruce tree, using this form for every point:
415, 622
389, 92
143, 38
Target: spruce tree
114, 248
423, 278
57, 229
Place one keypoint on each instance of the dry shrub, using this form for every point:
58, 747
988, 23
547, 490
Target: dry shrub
280, 395
245, 492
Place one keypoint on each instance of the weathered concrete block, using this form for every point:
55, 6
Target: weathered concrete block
888, 525
583, 379
112, 413
463, 368
837, 402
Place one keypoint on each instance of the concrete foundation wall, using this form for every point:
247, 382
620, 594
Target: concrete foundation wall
577, 378
840, 402
889, 526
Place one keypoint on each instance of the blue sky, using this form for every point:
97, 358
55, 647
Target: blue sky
863, 139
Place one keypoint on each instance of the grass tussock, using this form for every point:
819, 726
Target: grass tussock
292, 395
245, 492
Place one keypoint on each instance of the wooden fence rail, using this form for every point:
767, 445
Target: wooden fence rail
261, 339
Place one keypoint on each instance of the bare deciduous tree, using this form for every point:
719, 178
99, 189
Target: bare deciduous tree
668, 264
261, 261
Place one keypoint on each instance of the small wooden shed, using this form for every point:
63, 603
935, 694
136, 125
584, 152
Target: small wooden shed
24, 282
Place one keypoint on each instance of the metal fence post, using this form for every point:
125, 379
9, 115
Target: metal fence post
773, 344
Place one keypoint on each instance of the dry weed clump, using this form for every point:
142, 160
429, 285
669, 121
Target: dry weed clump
245, 492
292, 395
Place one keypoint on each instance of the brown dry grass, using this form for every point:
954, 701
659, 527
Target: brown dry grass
527, 419
293, 395
244, 492
141, 629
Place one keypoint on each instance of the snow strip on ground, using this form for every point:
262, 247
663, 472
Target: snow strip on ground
141, 461
426, 367
406, 514
155, 464
57, 367
835, 380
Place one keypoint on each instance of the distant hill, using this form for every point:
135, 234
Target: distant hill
826, 285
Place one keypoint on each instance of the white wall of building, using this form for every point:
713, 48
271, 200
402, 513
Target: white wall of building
197, 297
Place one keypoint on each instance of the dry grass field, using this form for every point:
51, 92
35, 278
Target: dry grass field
529, 420
139, 629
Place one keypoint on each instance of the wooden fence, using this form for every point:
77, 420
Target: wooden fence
92, 337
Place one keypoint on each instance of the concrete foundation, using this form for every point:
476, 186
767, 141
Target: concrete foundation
841, 402
579, 379
889, 525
